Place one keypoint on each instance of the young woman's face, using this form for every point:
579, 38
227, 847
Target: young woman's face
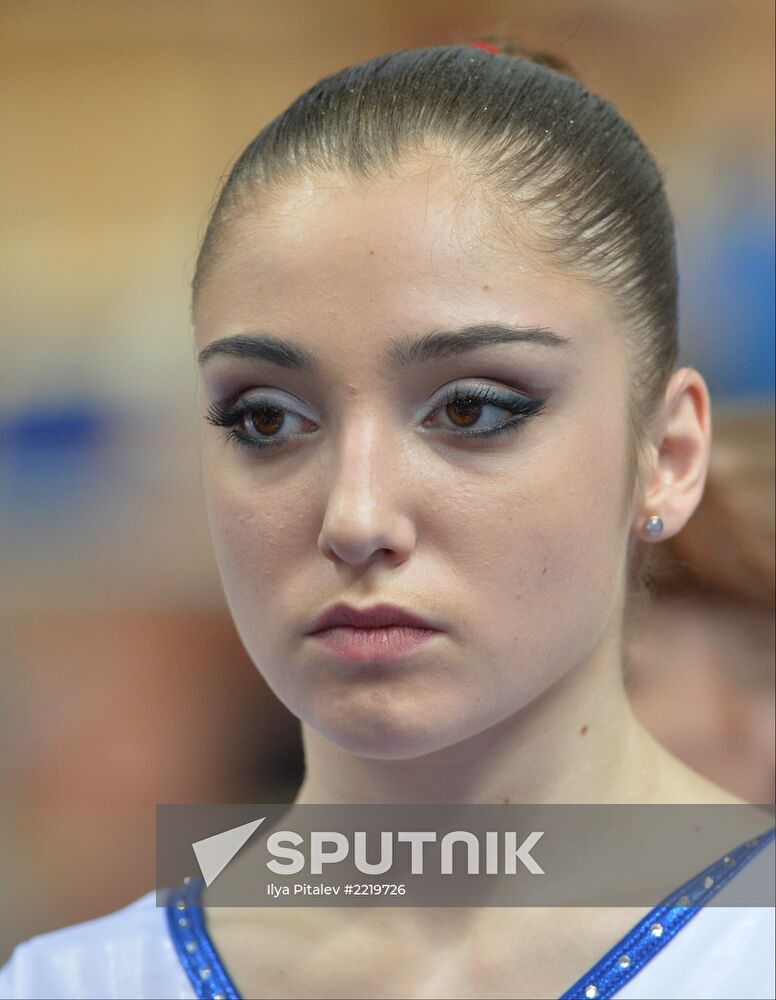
358, 480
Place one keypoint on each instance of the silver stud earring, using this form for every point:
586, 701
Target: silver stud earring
653, 525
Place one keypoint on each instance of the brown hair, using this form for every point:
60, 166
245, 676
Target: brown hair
726, 552
530, 136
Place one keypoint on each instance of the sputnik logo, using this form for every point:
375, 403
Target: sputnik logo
215, 853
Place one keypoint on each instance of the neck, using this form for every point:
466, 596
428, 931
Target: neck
577, 742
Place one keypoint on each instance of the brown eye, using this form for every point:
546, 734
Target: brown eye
268, 420
258, 422
468, 411
464, 406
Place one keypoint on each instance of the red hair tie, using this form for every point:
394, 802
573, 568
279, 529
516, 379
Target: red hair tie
488, 48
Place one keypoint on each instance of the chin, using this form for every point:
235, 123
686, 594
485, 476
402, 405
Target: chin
386, 747
384, 729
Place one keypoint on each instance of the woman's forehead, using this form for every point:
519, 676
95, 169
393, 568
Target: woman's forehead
421, 219
408, 248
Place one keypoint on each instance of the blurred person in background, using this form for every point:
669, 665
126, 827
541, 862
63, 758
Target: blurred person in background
511, 551
701, 667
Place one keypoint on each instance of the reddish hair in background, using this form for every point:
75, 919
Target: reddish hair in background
700, 656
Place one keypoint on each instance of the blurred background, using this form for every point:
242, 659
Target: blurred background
122, 681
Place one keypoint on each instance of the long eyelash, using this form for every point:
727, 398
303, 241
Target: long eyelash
228, 416
521, 406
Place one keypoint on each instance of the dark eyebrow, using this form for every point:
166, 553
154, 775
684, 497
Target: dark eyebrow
401, 353
446, 343
261, 347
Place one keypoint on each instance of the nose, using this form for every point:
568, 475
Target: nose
364, 518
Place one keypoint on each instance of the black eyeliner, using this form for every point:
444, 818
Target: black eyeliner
521, 406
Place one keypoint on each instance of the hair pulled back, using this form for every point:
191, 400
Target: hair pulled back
537, 145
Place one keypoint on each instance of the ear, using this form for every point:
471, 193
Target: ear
678, 456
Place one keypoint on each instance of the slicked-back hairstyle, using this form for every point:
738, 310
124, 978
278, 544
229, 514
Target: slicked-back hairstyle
556, 164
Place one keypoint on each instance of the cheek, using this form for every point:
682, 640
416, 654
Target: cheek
257, 523
543, 553
249, 539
